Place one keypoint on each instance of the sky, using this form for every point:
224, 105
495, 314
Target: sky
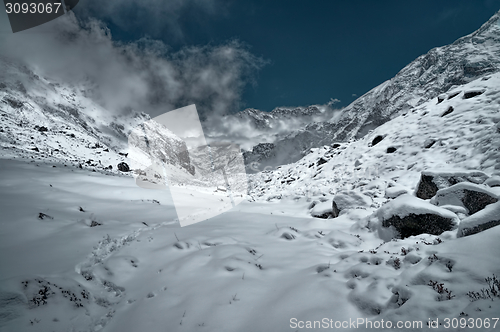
317, 50
226, 56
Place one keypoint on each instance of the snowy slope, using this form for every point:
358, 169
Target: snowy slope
92, 251
45, 120
430, 75
256, 268
423, 138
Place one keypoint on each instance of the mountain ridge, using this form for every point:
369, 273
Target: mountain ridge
428, 76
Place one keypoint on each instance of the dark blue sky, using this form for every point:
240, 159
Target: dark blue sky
317, 50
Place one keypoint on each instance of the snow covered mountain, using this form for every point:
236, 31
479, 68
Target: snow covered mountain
270, 120
430, 75
44, 120
397, 228
459, 129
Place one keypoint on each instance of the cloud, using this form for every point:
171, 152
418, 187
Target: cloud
143, 75
333, 101
153, 17
243, 131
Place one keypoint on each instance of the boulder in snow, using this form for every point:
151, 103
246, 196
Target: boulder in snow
395, 191
487, 218
322, 210
349, 200
471, 196
377, 140
430, 181
123, 167
407, 216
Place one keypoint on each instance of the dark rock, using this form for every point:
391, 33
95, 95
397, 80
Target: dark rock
288, 236
377, 140
321, 161
415, 224
41, 129
391, 149
335, 145
429, 143
325, 215
14, 103
335, 210
42, 216
35, 149
453, 95
94, 223
123, 167
430, 182
471, 94
464, 231
408, 216
471, 196
440, 99
123, 154
448, 111
475, 201
487, 218
312, 204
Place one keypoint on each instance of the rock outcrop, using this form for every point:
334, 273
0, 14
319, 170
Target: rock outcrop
407, 216
471, 196
430, 182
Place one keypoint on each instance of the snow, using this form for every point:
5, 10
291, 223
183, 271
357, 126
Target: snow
408, 204
403, 206
260, 263
453, 195
489, 215
493, 181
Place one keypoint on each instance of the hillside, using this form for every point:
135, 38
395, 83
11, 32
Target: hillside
430, 75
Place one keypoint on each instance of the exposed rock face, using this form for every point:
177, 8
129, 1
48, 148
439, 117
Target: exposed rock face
408, 216
154, 140
260, 151
487, 218
427, 77
471, 196
415, 224
430, 182
335, 210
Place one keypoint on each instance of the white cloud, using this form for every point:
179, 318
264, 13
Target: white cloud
142, 75
153, 17
333, 101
